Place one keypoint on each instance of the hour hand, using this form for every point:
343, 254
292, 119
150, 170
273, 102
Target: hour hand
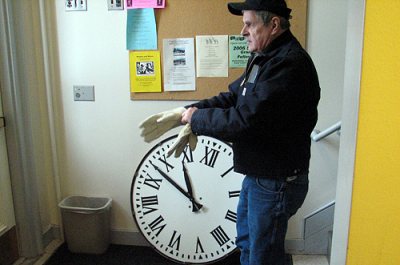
170, 180
195, 207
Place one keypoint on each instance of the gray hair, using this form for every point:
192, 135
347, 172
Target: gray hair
266, 17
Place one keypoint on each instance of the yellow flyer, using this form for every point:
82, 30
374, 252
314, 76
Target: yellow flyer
145, 71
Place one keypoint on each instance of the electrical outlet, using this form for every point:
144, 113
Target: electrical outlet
75, 5
84, 93
115, 4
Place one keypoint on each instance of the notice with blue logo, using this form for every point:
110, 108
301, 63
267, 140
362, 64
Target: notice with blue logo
238, 51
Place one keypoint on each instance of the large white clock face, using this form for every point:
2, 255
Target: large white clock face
190, 220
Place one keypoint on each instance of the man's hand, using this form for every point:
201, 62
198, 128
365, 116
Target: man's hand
187, 115
185, 136
158, 124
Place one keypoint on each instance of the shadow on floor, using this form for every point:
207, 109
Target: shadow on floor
126, 255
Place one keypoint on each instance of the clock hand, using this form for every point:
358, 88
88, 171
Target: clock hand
189, 186
170, 180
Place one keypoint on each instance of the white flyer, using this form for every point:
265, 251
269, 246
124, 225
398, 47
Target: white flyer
178, 64
212, 56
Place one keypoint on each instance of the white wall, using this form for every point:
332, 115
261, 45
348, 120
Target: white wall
100, 146
101, 143
326, 40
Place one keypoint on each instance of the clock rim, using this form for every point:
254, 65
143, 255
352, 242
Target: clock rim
133, 211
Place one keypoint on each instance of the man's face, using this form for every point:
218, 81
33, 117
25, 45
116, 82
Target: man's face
257, 34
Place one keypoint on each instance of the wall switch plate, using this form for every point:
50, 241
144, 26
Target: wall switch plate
115, 4
84, 93
75, 5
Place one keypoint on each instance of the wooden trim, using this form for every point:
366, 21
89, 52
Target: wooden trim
9, 247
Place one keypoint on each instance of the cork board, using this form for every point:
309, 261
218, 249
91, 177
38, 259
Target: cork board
188, 18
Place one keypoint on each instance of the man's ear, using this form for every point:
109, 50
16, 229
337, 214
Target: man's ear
276, 25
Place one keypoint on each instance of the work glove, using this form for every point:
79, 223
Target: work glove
185, 136
158, 124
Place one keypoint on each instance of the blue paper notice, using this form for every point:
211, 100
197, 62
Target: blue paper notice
141, 32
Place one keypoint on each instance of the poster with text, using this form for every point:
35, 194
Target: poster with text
178, 64
145, 72
212, 56
238, 51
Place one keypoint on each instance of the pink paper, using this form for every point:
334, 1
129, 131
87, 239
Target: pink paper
145, 4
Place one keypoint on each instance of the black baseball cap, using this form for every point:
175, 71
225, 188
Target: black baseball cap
278, 7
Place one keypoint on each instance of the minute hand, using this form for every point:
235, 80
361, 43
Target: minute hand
170, 180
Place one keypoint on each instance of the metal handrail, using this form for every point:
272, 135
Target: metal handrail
317, 135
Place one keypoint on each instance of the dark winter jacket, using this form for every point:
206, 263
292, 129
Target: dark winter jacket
268, 113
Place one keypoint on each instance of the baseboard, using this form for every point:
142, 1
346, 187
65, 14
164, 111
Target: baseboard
126, 237
53, 232
118, 236
315, 240
135, 238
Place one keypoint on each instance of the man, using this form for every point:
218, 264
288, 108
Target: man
268, 115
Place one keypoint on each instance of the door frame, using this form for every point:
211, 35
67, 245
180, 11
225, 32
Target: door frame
348, 137
19, 141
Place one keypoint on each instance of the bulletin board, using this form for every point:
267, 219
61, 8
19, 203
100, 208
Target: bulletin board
188, 18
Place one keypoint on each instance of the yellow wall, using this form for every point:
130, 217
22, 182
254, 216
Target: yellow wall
375, 216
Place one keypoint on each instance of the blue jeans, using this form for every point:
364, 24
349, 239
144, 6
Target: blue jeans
265, 206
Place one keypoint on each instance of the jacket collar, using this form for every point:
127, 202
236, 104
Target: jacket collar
269, 52
276, 44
